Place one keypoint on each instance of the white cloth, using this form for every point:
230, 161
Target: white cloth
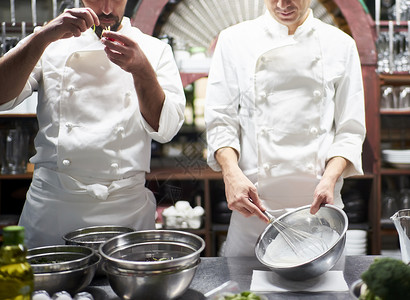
58, 203
93, 136
268, 281
287, 104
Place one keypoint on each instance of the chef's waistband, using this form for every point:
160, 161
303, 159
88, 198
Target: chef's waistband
100, 189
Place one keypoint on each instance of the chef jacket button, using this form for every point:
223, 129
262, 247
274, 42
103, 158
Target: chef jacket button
71, 89
317, 58
262, 95
314, 130
128, 94
66, 162
69, 126
120, 130
266, 167
114, 166
317, 93
310, 167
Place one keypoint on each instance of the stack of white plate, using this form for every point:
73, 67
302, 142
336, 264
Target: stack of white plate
356, 242
397, 158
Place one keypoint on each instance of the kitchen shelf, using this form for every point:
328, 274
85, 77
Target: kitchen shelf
395, 112
394, 79
14, 116
391, 171
16, 176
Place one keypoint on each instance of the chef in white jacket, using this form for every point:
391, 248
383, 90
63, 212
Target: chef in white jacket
102, 99
285, 116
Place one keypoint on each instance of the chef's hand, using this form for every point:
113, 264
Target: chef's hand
70, 23
126, 53
240, 192
324, 192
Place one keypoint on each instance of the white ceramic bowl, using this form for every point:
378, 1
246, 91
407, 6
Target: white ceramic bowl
356, 234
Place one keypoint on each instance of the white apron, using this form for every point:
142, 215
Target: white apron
289, 86
57, 204
85, 188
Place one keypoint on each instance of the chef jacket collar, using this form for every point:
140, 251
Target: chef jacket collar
277, 29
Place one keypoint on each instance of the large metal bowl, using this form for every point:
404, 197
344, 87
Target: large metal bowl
150, 285
71, 281
59, 258
152, 250
300, 218
94, 236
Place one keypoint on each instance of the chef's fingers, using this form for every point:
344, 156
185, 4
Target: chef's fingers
318, 201
114, 56
254, 197
86, 17
116, 36
258, 210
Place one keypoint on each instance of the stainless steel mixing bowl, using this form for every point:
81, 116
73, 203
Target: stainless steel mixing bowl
150, 285
300, 218
152, 250
72, 281
58, 258
94, 236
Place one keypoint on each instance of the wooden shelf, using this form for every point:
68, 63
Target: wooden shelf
16, 176
395, 112
6, 115
391, 171
183, 174
397, 79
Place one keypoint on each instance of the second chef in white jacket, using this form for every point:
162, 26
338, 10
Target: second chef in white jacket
285, 116
101, 102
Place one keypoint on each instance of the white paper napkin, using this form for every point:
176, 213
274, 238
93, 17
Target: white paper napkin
267, 281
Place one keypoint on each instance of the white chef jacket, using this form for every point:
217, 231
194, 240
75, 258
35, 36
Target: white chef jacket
93, 146
50, 78
231, 113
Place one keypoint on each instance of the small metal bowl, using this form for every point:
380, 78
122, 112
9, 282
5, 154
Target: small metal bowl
59, 258
150, 285
328, 215
94, 236
72, 281
355, 289
151, 250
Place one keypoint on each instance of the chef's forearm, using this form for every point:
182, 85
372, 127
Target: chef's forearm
151, 96
227, 158
16, 66
334, 168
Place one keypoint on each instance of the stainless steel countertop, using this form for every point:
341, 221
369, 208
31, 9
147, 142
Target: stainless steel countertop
214, 271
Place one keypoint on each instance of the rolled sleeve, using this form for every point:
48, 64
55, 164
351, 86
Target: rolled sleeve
350, 128
222, 104
30, 86
172, 113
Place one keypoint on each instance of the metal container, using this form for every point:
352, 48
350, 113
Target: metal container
94, 236
59, 258
328, 215
152, 250
72, 281
150, 285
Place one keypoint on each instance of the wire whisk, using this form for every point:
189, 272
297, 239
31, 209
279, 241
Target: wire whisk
302, 243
